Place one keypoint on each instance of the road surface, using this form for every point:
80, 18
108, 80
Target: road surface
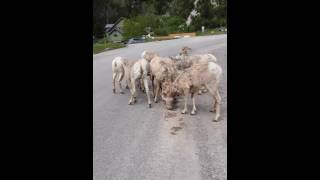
137, 143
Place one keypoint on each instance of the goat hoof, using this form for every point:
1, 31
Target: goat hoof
121, 92
131, 102
127, 87
149, 105
193, 113
183, 112
114, 91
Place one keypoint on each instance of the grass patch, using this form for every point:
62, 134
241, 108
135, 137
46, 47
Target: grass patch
100, 46
162, 38
97, 48
209, 32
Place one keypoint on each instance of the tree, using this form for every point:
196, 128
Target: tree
109, 11
211, 15
181, 8
137, 26
161, 7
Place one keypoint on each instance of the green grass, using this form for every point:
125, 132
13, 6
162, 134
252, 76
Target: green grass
209, 32
100, 46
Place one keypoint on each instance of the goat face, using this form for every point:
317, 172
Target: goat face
169, 91
185, 50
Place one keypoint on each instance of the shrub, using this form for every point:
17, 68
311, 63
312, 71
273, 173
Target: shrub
161, 32
136, 26
160, 25
174, 23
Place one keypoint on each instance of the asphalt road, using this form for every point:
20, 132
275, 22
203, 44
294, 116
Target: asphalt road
136, 143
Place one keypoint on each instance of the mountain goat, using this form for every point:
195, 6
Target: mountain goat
189, 81
139, 71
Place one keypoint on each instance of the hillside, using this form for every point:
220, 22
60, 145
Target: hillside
190, 13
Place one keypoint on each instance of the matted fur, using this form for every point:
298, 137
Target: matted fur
139, 70
190, 80
161, 69
118, 72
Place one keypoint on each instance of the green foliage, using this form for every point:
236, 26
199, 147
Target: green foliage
181, 8
98, 47
131, 29
136, 26
174, 23
160, 25
164, 16
211, 16
161, 6
161, 31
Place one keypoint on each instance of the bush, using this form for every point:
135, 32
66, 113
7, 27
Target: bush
161, 32
131, 29
136, 26
210, 16
160, 25
174, 24
214, 22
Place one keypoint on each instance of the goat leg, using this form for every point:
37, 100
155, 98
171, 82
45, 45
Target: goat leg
186, 94
147, 90
152, 83
114, 82
133, 93
119, 81
157, 92
217, 105
194, 109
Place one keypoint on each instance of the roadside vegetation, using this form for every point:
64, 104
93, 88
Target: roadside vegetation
209, 32
102, 45
159, 18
